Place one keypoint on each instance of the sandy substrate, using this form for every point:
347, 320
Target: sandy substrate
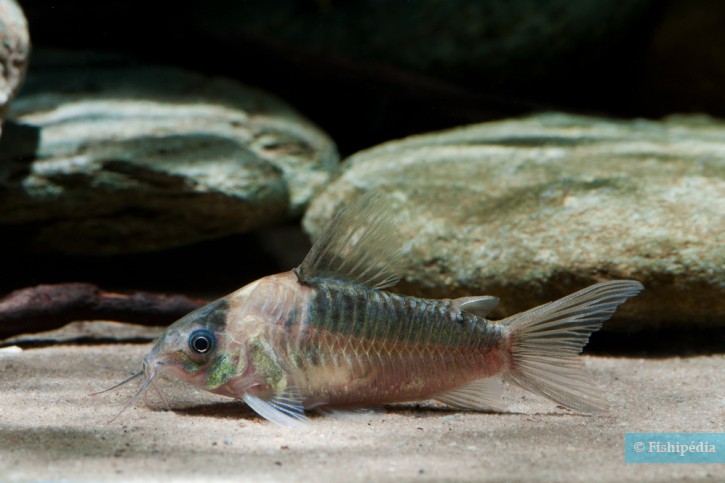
50, 429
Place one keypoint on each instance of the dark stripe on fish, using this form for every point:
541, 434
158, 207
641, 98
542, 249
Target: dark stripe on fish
358, 311
214, 315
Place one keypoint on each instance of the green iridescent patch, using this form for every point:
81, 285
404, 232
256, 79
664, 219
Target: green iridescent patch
266, 366
221, 370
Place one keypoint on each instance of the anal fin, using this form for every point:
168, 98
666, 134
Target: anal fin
479, 395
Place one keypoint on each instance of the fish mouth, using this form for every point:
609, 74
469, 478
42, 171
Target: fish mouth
149, 370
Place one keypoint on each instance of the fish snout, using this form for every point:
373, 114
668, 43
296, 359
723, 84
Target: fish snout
150, 364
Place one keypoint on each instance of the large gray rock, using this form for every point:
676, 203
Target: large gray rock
134, 159
531, 209
14, 51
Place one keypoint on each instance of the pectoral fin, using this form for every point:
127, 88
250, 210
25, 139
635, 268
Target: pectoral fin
285, 409
480, 395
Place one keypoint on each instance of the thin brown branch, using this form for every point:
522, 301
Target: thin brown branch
47, 307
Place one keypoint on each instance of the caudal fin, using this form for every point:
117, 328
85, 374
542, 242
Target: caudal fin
546, 340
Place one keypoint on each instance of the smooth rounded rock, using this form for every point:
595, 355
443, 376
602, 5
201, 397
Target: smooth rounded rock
535, 208
121, 159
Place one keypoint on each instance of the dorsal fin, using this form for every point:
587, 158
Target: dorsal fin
360, 245
479, 306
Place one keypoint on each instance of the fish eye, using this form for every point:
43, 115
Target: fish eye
201, 341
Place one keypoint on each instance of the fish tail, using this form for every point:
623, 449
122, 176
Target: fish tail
544, 343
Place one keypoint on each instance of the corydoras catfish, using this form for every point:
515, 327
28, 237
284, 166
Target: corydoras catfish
326, 335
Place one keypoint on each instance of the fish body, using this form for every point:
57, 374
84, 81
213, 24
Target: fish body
327, 335
339, 344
